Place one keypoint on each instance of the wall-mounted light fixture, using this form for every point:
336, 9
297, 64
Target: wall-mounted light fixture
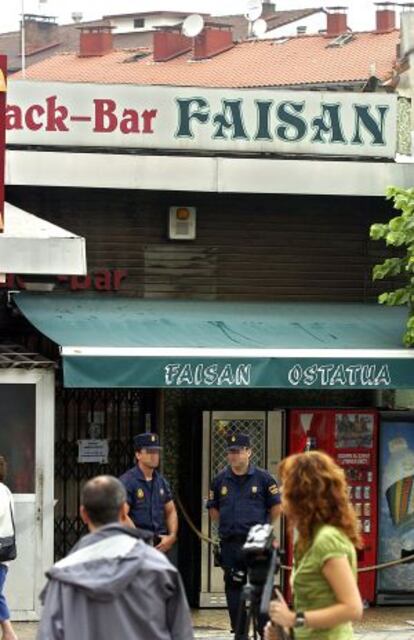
182, 223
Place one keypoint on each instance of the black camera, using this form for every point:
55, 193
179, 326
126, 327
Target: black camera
262, 558
260, 541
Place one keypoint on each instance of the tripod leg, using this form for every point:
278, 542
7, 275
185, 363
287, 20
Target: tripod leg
244, 618
254, 626
256, 620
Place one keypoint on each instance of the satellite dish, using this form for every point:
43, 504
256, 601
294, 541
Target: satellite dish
77, 16
259, 27
192, 25
254, 10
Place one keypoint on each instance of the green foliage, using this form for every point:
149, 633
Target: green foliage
398, 232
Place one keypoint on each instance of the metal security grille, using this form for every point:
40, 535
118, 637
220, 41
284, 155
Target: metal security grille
253, 427
217, 425
113, 414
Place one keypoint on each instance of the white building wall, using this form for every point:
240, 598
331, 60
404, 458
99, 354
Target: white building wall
125, 24
313, 24
406, 85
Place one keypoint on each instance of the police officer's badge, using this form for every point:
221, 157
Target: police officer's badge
140, 494
162, 492
223, 490
233, 438
153, 438
254, 489
274, 489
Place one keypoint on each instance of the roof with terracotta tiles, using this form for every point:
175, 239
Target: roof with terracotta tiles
302, 60
67, 35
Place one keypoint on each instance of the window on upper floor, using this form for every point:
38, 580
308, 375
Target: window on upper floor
139, 23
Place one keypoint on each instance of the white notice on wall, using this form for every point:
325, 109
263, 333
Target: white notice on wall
93, 451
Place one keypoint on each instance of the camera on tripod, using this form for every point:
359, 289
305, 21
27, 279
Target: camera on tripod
262, 559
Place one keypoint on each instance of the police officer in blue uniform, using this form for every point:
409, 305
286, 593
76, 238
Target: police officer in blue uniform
241, 496
149, 495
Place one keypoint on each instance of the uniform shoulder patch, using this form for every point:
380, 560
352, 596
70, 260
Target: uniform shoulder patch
224, 490
273, 489
211, 495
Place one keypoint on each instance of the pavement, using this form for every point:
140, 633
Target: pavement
379, 623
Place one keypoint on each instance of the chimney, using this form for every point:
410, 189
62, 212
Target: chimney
269, 8
169, 43
385, 16
214, 39
337, 21
39, 32
407, 35
95, 41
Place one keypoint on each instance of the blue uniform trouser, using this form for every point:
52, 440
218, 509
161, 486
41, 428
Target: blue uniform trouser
232, 562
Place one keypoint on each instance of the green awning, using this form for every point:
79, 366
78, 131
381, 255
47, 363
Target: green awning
117, 342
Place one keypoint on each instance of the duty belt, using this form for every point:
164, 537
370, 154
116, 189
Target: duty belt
239, 538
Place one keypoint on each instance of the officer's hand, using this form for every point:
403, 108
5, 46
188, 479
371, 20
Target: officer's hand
166, 543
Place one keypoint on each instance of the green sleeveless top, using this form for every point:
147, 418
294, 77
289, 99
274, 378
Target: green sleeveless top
310, 588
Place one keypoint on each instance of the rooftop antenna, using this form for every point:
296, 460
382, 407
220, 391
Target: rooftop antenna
192, 25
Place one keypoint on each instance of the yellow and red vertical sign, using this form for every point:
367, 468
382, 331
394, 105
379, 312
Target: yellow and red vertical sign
3, 88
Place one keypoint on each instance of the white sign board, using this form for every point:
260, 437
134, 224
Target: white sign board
93, 451
196, 119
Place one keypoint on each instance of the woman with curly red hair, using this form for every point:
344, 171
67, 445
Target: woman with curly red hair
316, 504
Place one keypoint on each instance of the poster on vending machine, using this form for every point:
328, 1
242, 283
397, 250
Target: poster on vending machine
354, 430
396, 502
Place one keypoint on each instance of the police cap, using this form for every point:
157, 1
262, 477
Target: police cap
147, 441
237, 441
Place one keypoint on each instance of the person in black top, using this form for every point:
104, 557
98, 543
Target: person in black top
149, 494
241, 496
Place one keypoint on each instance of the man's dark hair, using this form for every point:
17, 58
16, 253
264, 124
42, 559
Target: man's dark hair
102, 498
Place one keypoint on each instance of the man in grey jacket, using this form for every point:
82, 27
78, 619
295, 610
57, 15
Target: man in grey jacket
113, 584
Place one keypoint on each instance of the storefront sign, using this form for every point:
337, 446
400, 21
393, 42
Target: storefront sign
100, 280
82, 369
3, 88
319, 376
217, 375
238, 121
341, 375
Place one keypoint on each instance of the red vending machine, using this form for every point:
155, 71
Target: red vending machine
350, 437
